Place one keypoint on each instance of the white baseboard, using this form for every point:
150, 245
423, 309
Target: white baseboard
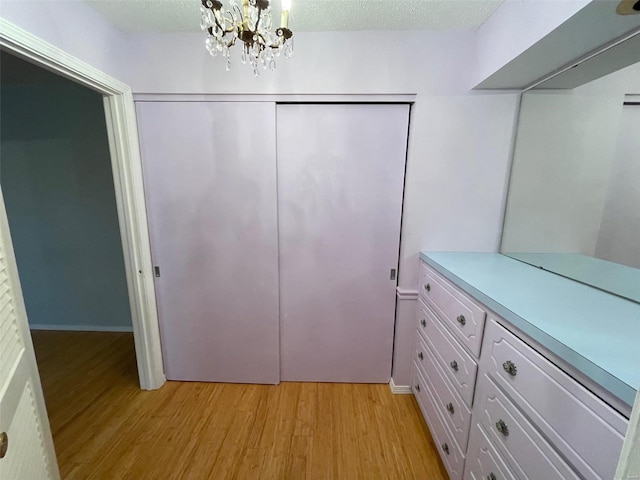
399, 389
80, 328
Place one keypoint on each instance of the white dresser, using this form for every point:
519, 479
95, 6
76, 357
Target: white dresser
499, 402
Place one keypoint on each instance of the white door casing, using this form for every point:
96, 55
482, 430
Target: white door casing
340, 188
23, 416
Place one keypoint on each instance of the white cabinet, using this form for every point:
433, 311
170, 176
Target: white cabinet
452, 455
584, 429
459, 366
484, 462
455, 412
463, 315
517, 440
450, 325
529, 419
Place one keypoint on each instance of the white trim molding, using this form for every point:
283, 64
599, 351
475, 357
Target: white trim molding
277, 98
129, 190
399, 389
406, 294
79, 328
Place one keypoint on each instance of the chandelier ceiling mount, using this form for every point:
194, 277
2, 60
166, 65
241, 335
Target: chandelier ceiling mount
251, 23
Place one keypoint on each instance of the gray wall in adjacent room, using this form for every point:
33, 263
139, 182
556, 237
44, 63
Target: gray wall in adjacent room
55, 172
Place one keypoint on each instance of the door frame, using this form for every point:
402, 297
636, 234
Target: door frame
129, 191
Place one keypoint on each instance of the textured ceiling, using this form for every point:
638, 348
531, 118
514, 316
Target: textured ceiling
309, 15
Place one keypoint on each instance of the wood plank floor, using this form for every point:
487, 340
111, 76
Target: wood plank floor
105, 427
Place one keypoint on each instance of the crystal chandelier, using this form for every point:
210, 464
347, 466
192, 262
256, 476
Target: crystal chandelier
251, 24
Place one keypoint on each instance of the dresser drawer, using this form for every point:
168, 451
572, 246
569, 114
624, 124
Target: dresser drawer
464, 315
456, 414
459, 366
524, 449
586, 430
483, 461
452, 457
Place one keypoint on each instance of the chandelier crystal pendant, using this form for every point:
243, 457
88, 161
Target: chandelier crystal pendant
251, 23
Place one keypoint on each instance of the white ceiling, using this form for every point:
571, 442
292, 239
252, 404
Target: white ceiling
308, 15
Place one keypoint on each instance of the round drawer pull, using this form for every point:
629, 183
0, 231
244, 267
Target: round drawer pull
450, 408
461, 320
427, 287
4, 444
502, 427
445, 448
491, 476
417, 387
510, 368
420, 355
423, 322
454, 365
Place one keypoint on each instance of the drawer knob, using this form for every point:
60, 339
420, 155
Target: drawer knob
450, 408
461, 320
491, 476
417, 387
420, 355
4, 444
454, 365
510, 368
427, 287
423, 322
445, 448
502, 427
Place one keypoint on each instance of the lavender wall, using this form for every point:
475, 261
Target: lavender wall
74, 27
459, 141
458, 150
514, 28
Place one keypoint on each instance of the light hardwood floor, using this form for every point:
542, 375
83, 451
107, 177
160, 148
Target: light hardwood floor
105, 427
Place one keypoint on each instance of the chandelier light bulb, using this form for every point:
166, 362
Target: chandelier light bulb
251, 23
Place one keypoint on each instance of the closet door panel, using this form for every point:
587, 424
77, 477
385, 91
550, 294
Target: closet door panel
340, 186
210, 183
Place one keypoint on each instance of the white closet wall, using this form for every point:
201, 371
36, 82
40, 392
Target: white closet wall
210, 183
239, 235
340, 183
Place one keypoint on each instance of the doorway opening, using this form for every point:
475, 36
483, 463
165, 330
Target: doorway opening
59, 194
127, 181
58, 189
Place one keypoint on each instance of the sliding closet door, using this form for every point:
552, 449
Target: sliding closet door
340, 186
210, 183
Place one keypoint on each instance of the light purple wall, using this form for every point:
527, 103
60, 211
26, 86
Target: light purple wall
459, 140
323, 62
457, 172
74, 27
513, 28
